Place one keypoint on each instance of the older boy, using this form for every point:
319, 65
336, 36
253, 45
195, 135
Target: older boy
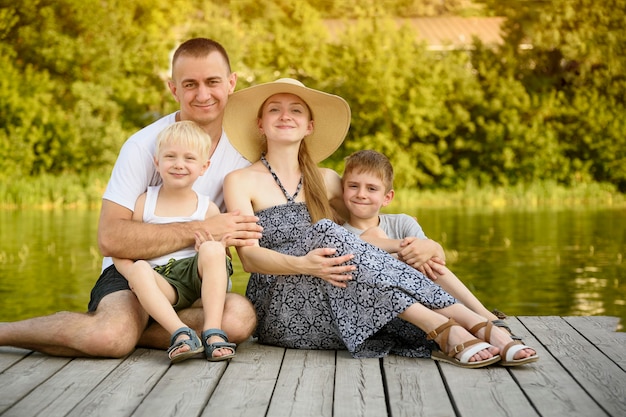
367, 187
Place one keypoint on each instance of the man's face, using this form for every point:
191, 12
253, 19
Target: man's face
201, 85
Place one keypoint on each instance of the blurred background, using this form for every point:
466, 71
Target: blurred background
504, 122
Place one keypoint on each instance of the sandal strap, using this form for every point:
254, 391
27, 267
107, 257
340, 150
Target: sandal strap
462, 346
209, 348
473, 346
474, 330
509, 351
441, 330
183, 330
478, 345
193, 342
213, 332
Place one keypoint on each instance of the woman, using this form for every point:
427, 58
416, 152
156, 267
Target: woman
315, 285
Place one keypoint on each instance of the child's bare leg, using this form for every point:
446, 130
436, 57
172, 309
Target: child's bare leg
455, 287
156, 296
212, 269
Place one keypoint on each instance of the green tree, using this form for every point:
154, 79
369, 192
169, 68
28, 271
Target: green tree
81, 75
573, 66
388, 80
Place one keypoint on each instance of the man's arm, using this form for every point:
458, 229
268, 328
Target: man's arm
120, 236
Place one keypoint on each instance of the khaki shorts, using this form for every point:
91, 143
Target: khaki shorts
182, 274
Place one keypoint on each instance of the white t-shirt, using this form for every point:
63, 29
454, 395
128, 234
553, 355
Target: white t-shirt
134, 171
396, 226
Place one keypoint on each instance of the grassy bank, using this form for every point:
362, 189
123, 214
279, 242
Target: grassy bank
85, 192
545, 194
54, 192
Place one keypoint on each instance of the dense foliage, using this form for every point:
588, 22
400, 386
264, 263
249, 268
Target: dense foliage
79, 76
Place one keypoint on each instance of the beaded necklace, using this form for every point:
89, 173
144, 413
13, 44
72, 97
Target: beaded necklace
290, 199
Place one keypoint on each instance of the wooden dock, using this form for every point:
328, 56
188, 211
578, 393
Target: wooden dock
582, 372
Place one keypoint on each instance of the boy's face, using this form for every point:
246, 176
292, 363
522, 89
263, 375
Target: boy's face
364, 194
179, 166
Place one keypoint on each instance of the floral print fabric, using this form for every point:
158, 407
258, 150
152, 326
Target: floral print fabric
301, 311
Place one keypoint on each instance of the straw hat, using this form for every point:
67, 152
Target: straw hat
331, 115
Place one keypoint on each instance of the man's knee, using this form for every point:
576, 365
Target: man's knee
117, 339
116, 325
239, 318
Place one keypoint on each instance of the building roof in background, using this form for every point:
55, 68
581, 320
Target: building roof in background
457, 32
444, 33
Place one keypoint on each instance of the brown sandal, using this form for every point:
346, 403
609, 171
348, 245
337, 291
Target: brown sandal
472, 347
508, 353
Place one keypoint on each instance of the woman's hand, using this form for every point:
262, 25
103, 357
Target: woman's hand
332, 269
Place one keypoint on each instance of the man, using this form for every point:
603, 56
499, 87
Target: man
201, 83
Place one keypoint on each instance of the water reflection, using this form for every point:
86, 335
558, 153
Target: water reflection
539, 262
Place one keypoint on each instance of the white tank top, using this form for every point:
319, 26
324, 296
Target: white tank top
150, 217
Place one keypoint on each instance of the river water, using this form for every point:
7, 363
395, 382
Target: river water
523, 262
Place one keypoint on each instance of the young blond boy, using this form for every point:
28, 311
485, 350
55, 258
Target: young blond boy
367, 187
175, 281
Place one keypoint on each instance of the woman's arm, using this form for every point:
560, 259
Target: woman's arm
239, 193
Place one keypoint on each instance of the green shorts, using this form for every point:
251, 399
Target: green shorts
182, 274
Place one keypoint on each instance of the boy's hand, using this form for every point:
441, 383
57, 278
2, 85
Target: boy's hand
433, 268
416, 252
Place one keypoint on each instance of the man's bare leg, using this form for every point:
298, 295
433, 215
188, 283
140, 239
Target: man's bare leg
238, 321
111, 331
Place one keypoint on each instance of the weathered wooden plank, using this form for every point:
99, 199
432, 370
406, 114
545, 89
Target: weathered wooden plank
601, 331
57, 395
19, 380
121, 392
597, 374
183, 390
305, 384
485, 391
359, 389
247, 385
580, 373
10, 355
550, 388
415, 388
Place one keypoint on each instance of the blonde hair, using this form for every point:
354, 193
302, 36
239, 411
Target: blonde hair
315, 193
370, 162
188, 134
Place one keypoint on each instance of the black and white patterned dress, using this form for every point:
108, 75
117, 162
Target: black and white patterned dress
301, 311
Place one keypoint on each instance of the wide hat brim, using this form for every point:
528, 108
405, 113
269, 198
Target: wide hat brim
331, 115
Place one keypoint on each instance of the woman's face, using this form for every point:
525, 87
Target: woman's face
285, 117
